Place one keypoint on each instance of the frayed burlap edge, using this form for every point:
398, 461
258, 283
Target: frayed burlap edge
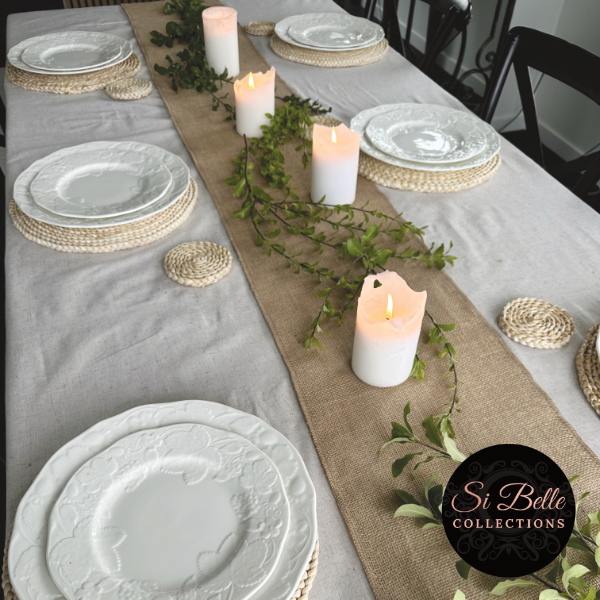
107, 239
73, 84
303, 590
588, 368
319, 58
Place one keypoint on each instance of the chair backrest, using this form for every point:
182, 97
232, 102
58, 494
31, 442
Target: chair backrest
525, 48
91, 3
452, 19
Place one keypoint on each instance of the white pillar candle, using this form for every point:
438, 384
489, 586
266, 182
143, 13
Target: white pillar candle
334, 164
388, 324
221, 39
254, 98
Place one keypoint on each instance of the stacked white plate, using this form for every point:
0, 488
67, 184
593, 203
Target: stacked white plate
329, 32
69, 53
101, 184
181, 501
425, 137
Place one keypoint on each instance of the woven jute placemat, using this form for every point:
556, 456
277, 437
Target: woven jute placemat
198, 264
106, 239
304, 586
536, 323
133, 88
73, 84
401, 178
318, 58
588, 368
262, 28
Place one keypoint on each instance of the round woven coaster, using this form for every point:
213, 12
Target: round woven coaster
302, 592
588, 368
400, 178
536, 323
106, 239
129, 89
318, 58
73, 84
198, 264
260, 27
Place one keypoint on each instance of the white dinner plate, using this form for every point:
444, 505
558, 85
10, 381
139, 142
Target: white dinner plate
282, 30
100, 183
16, 52
361, 120
427, 133
184, 510
27, 552
335, 31
178, 169
78, 50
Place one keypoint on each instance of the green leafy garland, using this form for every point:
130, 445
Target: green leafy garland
441, 444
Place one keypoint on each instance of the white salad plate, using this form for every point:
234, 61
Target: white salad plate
282, 30
360, 122
100, 183
27, 565
178, 169
427, 133
178, 510
79, 50
334, 31
16, 52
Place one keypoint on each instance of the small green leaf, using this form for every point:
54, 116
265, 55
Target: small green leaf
377, 284
450, 327
577, 544
463, 568
453, 451
572, 573
431, 525
552, 574
405, 415
458, 595
399, 465
407, 498
414, 511
549, 595
431, 432
503, 586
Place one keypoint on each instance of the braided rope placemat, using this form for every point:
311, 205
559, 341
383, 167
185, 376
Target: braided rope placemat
129, 89
73, 84
198, 264
536, 323
107, 239
588, 368
304, 586
260, 28
318, 58
413, 180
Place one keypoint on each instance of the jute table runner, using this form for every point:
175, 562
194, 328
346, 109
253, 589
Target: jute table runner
348, 419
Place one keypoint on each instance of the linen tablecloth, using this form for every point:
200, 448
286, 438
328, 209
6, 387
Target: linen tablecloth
89, 336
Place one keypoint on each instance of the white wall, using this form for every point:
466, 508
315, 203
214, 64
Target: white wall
570, 122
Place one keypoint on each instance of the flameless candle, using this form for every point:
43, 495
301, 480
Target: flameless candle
334, 164
388, 324
254, 98
221, 39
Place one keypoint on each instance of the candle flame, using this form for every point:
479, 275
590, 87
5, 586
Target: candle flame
251, 81
333, 137
390, 307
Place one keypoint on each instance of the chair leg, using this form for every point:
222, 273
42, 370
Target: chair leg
588, 179
440, 41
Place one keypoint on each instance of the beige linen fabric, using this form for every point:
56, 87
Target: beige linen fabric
348, 419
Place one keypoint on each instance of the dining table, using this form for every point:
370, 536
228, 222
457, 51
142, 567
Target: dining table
90, 336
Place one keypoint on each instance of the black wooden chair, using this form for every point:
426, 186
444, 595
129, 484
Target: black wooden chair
448, 17
525, 48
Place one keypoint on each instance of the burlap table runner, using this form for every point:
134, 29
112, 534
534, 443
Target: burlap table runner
348, 419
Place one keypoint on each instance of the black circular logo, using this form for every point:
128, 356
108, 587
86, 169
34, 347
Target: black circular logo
508, 510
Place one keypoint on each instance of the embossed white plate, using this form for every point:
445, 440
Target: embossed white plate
27, 552
16, 52
427, 133
361, 120
331, 30
178, 169
100, 183
79, 50
282, 30
183, 509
